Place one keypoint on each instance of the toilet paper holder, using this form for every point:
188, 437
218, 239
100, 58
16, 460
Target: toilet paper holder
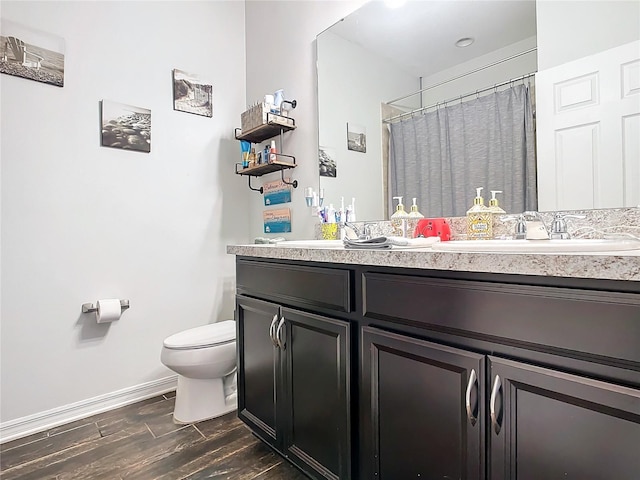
90, 307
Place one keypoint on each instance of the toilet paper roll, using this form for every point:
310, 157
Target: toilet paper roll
108, 310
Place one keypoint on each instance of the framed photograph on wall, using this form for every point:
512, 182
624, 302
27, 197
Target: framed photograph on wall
192, 95
356, 138
125, 126
31, 54
327, 162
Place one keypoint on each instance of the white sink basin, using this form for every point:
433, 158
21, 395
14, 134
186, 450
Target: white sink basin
311, 244
577, 245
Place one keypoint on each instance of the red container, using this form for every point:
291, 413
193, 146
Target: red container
433, 227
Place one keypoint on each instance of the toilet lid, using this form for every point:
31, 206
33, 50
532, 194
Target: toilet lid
205, 336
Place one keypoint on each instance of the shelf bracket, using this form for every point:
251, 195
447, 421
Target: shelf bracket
255, 189
294, 183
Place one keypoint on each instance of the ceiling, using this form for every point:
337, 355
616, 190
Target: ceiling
428, 29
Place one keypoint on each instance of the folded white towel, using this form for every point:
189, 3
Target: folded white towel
386, 243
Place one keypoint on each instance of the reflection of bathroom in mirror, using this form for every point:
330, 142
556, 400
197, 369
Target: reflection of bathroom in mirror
385, 68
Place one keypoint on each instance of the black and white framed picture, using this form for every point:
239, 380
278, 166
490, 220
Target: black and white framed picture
356, 138
192, 95
31, 54
125, 126
327, 162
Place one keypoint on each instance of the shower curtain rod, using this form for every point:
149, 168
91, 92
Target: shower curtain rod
460, 97
464, 75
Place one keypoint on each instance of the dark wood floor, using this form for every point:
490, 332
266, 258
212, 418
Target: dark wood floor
141, 442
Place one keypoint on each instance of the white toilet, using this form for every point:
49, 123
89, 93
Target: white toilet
205, 360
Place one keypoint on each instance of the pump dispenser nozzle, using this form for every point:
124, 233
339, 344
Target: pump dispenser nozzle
400, 211
493, 203
478, 200
414, 213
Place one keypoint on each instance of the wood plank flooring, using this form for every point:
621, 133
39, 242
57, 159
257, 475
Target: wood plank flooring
141, 442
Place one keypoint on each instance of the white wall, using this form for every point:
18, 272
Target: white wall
285, 58
353, 82
82, 222
514, 68
568, 30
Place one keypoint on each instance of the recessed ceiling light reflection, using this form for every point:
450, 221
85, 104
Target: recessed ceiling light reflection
464, 42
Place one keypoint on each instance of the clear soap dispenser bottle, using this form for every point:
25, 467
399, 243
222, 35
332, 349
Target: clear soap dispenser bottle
400, 217
479, 219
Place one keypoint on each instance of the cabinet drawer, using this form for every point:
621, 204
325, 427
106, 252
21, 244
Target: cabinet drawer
319, 287
586, 321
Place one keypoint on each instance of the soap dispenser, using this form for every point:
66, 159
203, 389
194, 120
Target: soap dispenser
479, 219
494, 207
414, 213
400, 217
495, 210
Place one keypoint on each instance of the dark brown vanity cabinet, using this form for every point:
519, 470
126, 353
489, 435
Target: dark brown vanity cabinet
549, 424
422, 409
432, 411
294, 374
429, 409
394, 373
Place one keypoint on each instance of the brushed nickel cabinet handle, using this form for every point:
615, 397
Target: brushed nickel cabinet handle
272, 330
280, 340
472, 382
492, 404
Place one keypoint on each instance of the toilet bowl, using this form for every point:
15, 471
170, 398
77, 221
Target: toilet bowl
205, 360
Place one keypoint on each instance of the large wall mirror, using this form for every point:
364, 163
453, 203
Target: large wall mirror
372, 63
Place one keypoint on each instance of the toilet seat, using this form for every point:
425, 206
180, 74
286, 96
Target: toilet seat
203, 337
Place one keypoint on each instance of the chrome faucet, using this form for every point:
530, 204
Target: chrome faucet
535, 227
530, 226
559, 226
364, 234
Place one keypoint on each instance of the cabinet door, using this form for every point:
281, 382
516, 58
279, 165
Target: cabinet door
317, 400
421, 409
549, 424
258, 367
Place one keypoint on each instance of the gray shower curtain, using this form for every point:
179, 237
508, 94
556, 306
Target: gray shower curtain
440, 157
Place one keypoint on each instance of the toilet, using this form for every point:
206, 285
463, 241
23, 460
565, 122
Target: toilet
205, 360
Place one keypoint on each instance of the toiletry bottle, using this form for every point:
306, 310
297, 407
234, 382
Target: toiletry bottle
414, 216
399, 218
331, 214
245, 146
479, 219
272, 152
495, 210
494, 207
265, 154
340, 214
252, 157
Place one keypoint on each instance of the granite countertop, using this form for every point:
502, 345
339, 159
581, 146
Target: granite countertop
624, 265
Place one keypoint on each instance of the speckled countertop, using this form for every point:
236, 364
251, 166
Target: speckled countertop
624, 265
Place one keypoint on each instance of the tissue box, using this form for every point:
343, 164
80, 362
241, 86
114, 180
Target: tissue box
254, 117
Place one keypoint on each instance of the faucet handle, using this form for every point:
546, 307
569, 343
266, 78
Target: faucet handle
521, 224
559, 226
367, 229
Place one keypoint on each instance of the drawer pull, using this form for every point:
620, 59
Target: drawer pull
272, 330
472, 383
495, 420
279, 339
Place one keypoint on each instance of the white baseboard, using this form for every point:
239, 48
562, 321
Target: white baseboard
21, 427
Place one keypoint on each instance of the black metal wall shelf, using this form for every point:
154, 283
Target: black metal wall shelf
263, 169
276, 124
